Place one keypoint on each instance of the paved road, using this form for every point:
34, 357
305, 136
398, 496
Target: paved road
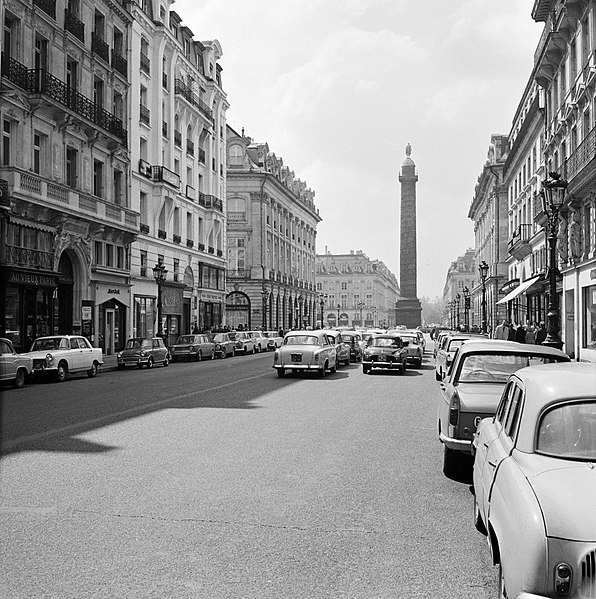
219, 480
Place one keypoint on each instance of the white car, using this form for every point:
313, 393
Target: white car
306, 350
61, 355
274, 340
260, 340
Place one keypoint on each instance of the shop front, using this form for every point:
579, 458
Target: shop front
210, 312
109, 316
172, 300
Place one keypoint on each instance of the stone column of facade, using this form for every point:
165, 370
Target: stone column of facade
408, 308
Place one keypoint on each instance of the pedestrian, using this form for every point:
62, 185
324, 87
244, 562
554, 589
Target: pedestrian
511, 331
531, 334
520, 334
540, 333
502, 330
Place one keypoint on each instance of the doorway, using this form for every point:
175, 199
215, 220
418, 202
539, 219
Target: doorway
109, 332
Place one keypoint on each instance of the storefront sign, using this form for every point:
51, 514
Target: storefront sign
171, 299
25, 278
114, 291
86, 312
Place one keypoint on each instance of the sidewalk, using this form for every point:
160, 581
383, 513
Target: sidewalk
109, 363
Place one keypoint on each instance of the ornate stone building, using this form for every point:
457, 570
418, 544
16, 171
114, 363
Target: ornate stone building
66, 223
178, 176
462, 275
355, 291
271, 237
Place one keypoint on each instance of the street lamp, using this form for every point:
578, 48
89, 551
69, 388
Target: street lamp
159, 274
457, 298
483, 268
375, 310
265, 296
338, 308
322, 300
466, 292
300, 323
360, 306
553, 195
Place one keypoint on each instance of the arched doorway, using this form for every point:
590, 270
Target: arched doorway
238, 311
63, 302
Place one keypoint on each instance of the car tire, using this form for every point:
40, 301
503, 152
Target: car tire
478, 523
365, 369
323, 371
62, 372
120, 366
233, 352
150, 363
437, 376
93, 370
140, 365
419, 363
166, 362
281, 372
451, 463
333, 369
19, 379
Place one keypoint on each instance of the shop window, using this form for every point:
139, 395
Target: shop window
589, 318
98, 253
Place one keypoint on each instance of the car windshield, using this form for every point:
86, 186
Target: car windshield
50, 343
138, 343
496, 368
569, 431
186, 339
455, 343
410, 338
301, 340
220, 337
383, 342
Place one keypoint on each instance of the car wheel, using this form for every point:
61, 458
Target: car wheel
254, 351
438, 376
365, 369
92, 371
451, 463
478, 523
223, 354
150, 363
200, 356
419, 363
166, 361
19, 379
281, 372
62, 372
121, 367
323, 371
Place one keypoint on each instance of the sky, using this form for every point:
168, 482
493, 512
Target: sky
338, 88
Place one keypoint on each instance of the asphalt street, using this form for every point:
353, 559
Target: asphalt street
219, 480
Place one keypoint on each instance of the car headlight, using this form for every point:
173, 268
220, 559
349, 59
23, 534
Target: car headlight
563, 577
119, 354
49, 358
142, 353
192, 348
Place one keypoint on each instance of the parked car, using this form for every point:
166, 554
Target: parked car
259, 340
14, 368
224, 344
535, 483
447, 348
414, 350
192, 347
421, 339
143, 351
472, 389
306, 351
341, 347
61, 355
354, 341
244, 343
386, 351
274, 340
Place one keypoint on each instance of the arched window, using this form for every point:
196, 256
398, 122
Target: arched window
236, 155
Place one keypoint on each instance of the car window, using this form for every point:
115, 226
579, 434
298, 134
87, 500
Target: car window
569, 431
185, 339
5, 348
514, 411
64, 344
84, 343
301, 340
455, 343
156, 343
74, 344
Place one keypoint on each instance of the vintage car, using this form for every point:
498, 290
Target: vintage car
445, 352
414, 350
354, 341
274, 340
259, 339
472, 389
224, 344
61, 355
192, 347
14, 368
421, 339
386, 351
535, 482
143, 351
312, 351
341, 347
244, 343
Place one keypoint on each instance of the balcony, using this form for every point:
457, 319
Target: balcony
145, 64
211, 250
181, 89
161, 234
209, 201
583, 155
239, 273
163, 174
519, 245
48, 6
202, 247
176, 238
189, 243
191, 193
52, 195
74, 26
29, 258
100, 48
120, 64
40, 81
144, 115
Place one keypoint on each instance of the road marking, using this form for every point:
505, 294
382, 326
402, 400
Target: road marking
130, 411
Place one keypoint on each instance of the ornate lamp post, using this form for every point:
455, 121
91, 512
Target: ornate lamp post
338, 309
466, 293
159, 274
457, 298
265, 296
483, 268
360, 306
300, 320
553, 195
322, 300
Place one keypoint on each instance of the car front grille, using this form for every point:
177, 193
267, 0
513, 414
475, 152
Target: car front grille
39, 363
587, 584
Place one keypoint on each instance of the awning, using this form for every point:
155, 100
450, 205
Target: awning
518, 290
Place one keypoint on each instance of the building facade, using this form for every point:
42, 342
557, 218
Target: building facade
462, 280
271, 237
488, 211
178, 179
355, 291
66, 225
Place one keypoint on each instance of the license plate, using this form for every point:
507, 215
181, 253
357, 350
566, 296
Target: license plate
296, 357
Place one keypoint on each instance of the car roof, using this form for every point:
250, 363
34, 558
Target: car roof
480, 345
305, 332
547, 384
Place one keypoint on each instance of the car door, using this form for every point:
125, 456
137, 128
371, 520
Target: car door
86, 355
74, 355
8, 361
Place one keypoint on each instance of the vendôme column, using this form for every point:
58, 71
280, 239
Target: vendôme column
407, 308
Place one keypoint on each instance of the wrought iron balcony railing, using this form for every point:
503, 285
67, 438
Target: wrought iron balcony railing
74, 25
99, 47
119, 63
181, 89
40, 81
48, 6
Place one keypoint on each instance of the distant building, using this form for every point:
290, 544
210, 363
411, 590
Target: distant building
354, 290
271, 239
462, 276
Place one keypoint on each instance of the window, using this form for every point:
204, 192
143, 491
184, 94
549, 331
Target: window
236, 157
6, 142
118, 177
40, 144
71, 167
72, 69
176, 221
143, 263
98, 253
118, 42
589, 317
189, 225
143, 207
118, 107
98, 92
41, 54
344, 286
120, 257
176, 269
10, 33
109, 254
98, 178
99, 25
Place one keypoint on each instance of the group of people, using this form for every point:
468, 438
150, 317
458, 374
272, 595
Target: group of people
534, 334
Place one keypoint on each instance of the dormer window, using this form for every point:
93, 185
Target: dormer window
236, 155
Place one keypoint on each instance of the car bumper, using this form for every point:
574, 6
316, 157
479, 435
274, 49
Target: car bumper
133, 361
299, 366
378, 364
456, 444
